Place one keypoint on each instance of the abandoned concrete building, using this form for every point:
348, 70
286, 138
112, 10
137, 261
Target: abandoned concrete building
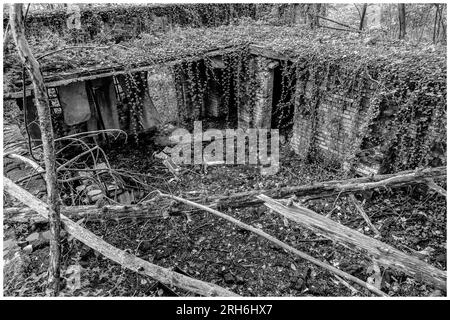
245, 77
342, 99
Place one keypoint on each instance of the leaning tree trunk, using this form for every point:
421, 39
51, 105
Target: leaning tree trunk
313, 10
402, 20
362, 22
45, 124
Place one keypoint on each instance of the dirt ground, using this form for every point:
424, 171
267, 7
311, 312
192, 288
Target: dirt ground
208, 248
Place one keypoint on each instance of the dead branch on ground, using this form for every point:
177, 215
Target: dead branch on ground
434, 186
145, 210
28, 161
363, 214
383, 253
119, 256
327, 188
279, 243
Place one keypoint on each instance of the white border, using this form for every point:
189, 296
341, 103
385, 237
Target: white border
202, 298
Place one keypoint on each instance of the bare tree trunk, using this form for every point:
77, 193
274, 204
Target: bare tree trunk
45, 124
312, 12
402, 20
326, 188
439, 21
435, 25
444, 28
279, 243
423, 26
363, 16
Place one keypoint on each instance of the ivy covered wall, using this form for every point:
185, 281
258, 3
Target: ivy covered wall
125, 22
220, 87
363, 118
345, 100
331, 128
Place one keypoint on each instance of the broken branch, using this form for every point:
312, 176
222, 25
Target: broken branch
434, 186
90, 213
382, 253
119, 256
28, 161
348, 285
64, 165
339, 23
363, 214
341, 29
279, 243
327, 188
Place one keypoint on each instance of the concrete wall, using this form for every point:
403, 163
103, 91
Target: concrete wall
332, 129
259, 115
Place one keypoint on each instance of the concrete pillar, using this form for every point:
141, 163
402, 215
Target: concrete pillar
302, 133
264, 94
244, 110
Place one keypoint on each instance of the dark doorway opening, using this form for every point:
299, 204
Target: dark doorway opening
284, 82
220, 100
224, 85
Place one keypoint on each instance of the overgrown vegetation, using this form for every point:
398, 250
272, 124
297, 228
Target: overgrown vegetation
206, 248
333, 62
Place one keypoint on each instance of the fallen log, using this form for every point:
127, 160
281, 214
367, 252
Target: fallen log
247, 199
339, 23
121, 257
280, 243
93, 213
327, 188
364, 215
90, 213
28, 161
383, 253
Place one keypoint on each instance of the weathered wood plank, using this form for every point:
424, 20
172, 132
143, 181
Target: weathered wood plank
123, 258
383, 253
89, 213
328, 188
65, 78
246, 199
280, 244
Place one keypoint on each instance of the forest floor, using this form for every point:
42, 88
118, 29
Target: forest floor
208, 248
